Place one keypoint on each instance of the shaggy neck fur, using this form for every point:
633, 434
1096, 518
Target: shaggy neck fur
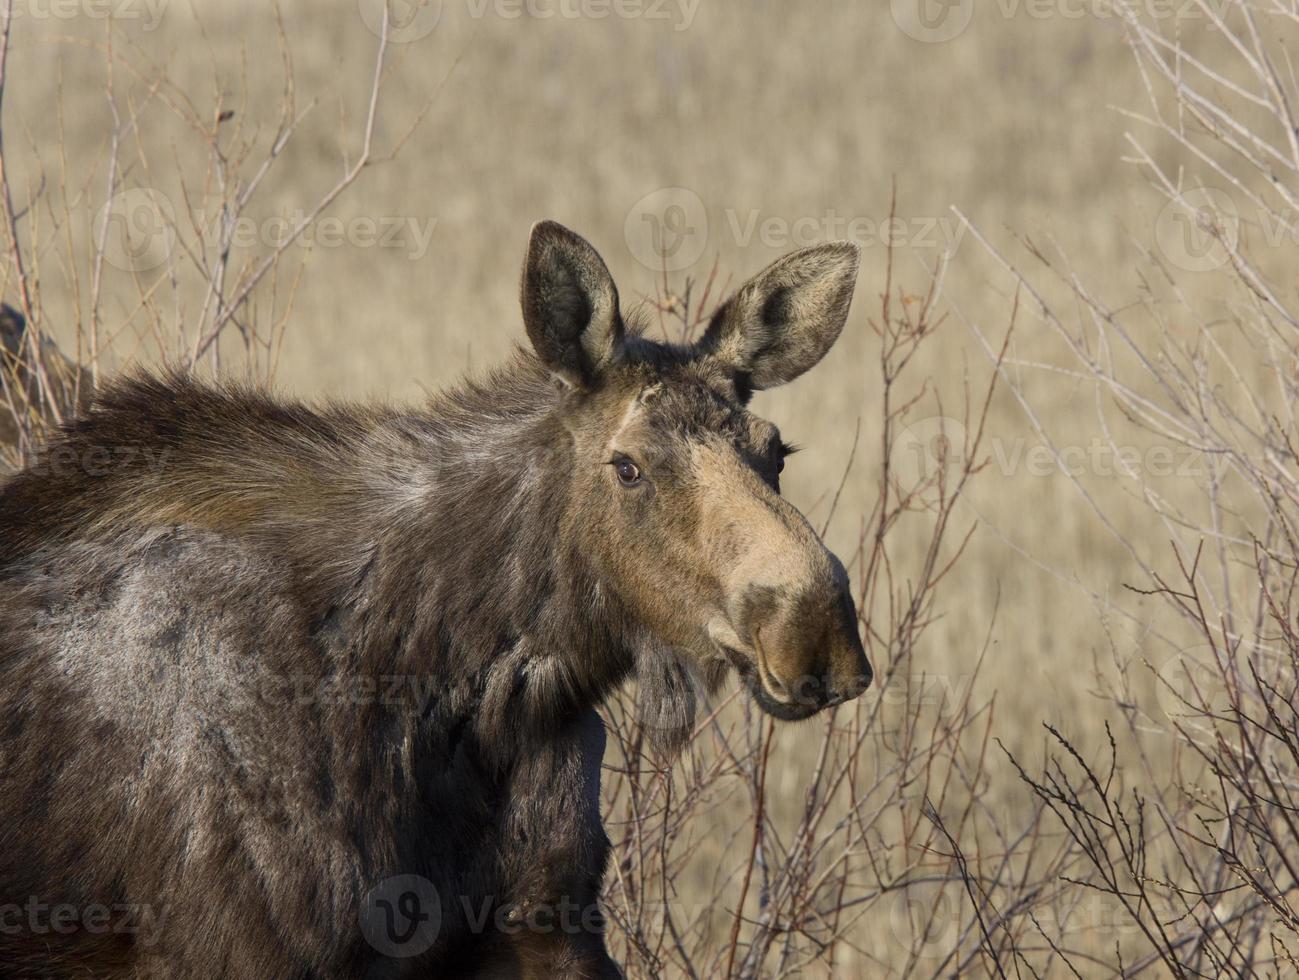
436, 545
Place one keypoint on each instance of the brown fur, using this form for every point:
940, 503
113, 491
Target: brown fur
272, 657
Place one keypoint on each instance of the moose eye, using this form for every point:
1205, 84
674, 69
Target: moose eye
628, 472
783, 449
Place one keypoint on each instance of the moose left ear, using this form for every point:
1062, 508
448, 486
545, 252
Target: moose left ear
785, 319
570, 304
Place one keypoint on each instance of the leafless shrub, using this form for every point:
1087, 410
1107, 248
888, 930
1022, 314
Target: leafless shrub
198, 289
1182, 822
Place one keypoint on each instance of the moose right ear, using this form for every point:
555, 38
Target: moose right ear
570, 305
785, 319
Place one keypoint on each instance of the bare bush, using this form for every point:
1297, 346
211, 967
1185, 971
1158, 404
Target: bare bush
169, 228
1181, 824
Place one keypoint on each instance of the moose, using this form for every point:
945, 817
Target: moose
307, 693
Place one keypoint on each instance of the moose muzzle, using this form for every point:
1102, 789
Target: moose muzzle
804, 650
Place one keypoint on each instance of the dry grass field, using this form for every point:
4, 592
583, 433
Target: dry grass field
735, 131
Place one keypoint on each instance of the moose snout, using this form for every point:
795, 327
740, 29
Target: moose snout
807, 649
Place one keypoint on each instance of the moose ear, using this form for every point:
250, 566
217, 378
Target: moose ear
784, 319
570, 305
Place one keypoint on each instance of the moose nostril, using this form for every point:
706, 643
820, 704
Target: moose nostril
847, 690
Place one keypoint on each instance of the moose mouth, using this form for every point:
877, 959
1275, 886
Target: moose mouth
747, 667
